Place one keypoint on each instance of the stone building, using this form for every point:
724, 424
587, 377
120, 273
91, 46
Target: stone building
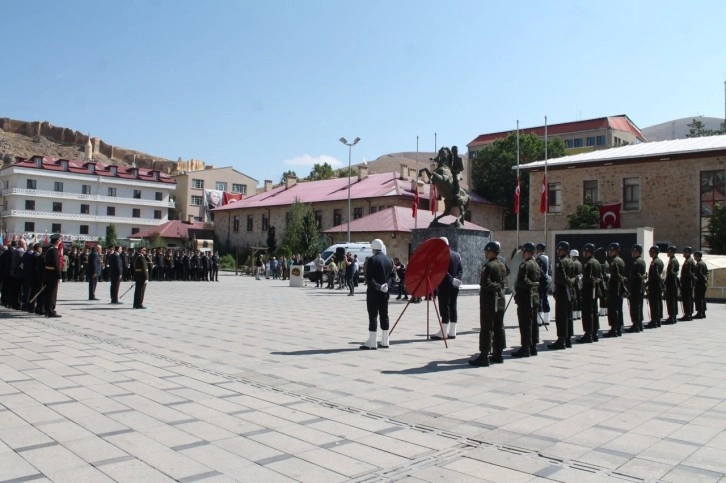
190, 186
247, 222
671, 186
81, 199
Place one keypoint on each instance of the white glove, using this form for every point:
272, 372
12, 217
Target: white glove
456, 283
384, 288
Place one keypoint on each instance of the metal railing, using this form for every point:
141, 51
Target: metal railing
81, 217
88, 197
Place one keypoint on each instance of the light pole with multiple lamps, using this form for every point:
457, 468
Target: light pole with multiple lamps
350, 149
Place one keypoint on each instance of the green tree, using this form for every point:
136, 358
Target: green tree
343, 172
271, 240
287, 174
321, 171
696, 129
159, 242
494, 178
301, 234
586, 216
716, 237
111, 237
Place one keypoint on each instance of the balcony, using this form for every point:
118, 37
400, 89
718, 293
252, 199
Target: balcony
81, 197
46, 215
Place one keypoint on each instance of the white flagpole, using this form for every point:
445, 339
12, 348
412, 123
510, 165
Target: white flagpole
519, 204
415, 220
546, 186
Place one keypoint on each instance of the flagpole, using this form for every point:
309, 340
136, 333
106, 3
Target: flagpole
519, 196
415, 219
546, 187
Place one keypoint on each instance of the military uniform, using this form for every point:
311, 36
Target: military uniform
615, 296
141, 276
564, 281
636, 286
688, 277
591, 283
491, 312
378, 272
52, 275
527, 299
671, 287
701, 273
655, 289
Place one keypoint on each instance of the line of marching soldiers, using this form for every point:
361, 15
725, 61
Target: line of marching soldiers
577, 287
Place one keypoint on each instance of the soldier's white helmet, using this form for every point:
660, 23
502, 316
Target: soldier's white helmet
377, 244
574, 253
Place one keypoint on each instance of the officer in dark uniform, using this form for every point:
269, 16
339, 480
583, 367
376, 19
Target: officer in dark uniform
543, 262
378, 273
671, 286
655, 288
491, 308
141, 276
636, 287
448, 294
527, 298
116, 271
564, 281
615, 291
688, 279
591, 283
52, 275
701, 286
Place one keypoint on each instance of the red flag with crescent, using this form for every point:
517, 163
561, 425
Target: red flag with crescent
543, 196
610, 215
517, 195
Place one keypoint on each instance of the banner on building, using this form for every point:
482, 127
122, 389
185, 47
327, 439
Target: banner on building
610, 215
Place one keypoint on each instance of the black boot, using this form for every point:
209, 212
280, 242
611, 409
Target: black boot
585, 339
558, 345
610, 334
568, 342
652, 325
481, 361
522, 352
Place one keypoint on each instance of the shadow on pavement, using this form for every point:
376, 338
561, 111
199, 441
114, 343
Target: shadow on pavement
312, 352
435, 366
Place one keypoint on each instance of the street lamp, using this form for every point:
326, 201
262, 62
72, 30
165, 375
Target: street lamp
350, 149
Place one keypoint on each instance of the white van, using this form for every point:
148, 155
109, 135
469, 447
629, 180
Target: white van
362, 249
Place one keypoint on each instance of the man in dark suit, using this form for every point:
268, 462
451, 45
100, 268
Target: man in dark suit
141, 276
448, 292
53, 273
116, 271
94, 270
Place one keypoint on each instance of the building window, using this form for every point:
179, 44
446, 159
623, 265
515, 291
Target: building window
58, 186
85, 209
220, 186
235, 224
30, 205
134, 231
111, 191
578, 142
57, 207
713, 195
136, 213
265, 222
86, 189
568, 143
239, 188
110, 211
137, 194
357, 213
198, 184
83, 230
319, 219
250, 222
337, 217
631, 194
374, 209
56, 228
616, 141
31, 184
600, 141
159, 196
157, 214
589, 192
554, 198
591, 141
196, 200
29, 226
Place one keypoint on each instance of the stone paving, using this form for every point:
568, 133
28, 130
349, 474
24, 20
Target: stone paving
247, 380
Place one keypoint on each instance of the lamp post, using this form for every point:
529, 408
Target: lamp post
350, 150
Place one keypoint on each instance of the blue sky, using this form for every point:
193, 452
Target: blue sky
267, 86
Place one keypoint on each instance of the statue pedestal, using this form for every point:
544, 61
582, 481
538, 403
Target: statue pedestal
469, 243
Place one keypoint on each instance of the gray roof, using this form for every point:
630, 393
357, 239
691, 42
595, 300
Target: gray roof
635, 151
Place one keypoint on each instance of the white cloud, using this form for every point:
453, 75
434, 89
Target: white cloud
308, 161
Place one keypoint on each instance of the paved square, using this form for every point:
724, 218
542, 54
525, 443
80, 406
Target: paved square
253, 380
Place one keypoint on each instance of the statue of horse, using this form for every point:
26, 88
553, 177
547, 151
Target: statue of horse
443, 178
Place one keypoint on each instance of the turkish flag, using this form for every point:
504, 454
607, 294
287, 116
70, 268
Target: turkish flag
433, 199
610, 215
517, 195
543, 196
230, 197
414, 207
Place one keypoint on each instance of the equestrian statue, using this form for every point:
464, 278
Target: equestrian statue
445, 178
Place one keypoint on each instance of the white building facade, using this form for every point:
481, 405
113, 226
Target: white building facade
80, 200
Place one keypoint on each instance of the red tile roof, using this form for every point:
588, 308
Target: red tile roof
82, 167
373, 186
173, 229
618, 123
396, 219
